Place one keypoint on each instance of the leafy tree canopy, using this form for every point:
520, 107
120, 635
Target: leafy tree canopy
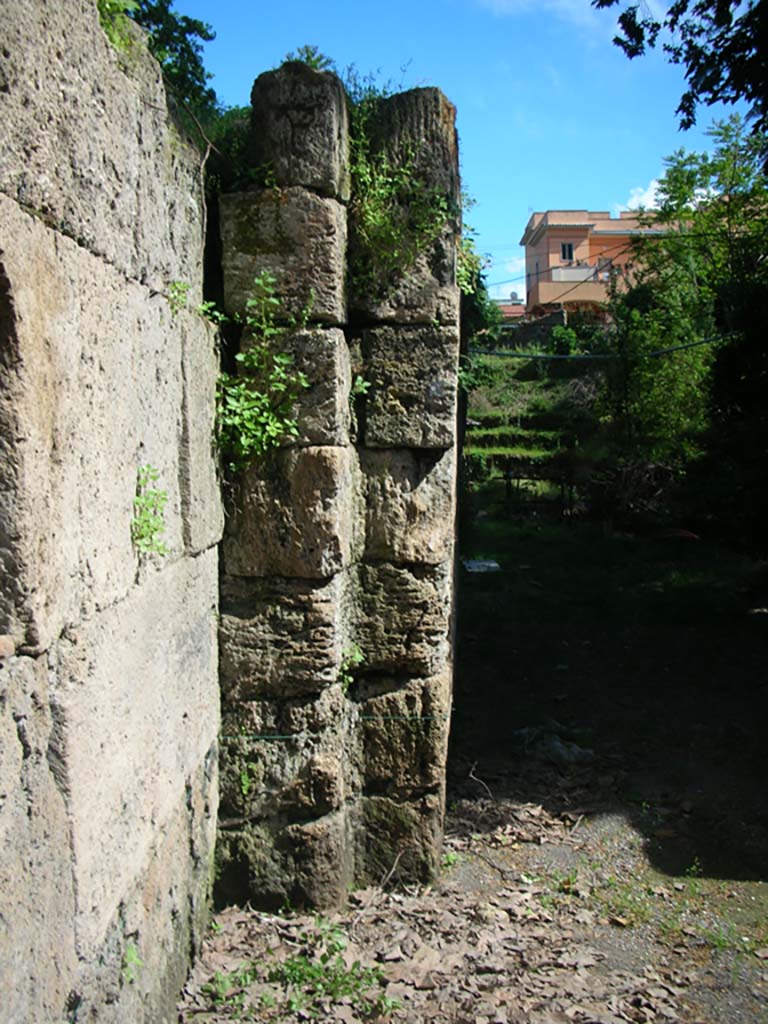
176, 42
721, 44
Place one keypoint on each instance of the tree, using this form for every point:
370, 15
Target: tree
720, 43
176, 42
705, 277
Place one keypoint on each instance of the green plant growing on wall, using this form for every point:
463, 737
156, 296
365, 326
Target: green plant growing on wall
352, 658
178, 295
113, 17
148, 523
246, 778
360, 386
255, 408
132, 963
395, 213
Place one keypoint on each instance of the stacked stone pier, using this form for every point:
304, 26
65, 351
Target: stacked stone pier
336, 596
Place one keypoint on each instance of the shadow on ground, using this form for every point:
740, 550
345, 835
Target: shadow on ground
607, 673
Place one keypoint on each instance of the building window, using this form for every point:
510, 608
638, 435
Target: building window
566, 251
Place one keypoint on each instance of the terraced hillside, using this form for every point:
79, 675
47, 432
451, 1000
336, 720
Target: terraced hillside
533, 433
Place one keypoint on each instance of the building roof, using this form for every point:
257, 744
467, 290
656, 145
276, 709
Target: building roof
598, 221
511, 310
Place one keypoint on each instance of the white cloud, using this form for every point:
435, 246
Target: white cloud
646, 197
576, 12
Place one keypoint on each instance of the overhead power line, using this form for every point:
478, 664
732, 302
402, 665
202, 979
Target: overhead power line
508, 354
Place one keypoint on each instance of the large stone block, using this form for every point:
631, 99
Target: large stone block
416, 129
300, 237
160, 921
420, 125
403, 619
300, 125
37, 900
297, 513
279, 638
304, 864
89, 145
410, 504
93, 389
202, 511
135, 709
405, 736
322, 852
403, 839
413, 373
424, 293
266, 774
323, 409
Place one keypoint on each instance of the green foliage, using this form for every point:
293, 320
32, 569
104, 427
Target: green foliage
229, 165
318, 975
310, 982
176, 43
148, 523
178, 295
312, 56
352, 658
132, 963
227, 989
360, 386
719, 45
246, 778
658, 405
255, 408
395, 214
210, 311
113, 16
706, 277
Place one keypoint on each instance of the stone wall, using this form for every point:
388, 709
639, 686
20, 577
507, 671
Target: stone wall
108, 660
340, 545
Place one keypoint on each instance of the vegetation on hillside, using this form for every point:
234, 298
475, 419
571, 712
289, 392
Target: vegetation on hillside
672, 421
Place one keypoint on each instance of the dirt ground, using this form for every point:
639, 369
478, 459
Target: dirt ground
606, 851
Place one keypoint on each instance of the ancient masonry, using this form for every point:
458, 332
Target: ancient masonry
338, 553
109, 706
315, 718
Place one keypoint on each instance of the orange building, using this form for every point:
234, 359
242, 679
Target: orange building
569, 254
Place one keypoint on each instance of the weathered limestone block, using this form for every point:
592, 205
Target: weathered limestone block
89, 146
162, 918
134, 709
252, 865
297, 513
323, 409
304, 864
425, 293
93, 389
417, 129
300, 124
265, 774
300, 237
403, 617
322, 853
410, 504
202, 510
421, 124
279, 638
37, 948
412, 401
405, 736
407, 834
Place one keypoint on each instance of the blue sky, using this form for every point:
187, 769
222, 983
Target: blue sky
550, 114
